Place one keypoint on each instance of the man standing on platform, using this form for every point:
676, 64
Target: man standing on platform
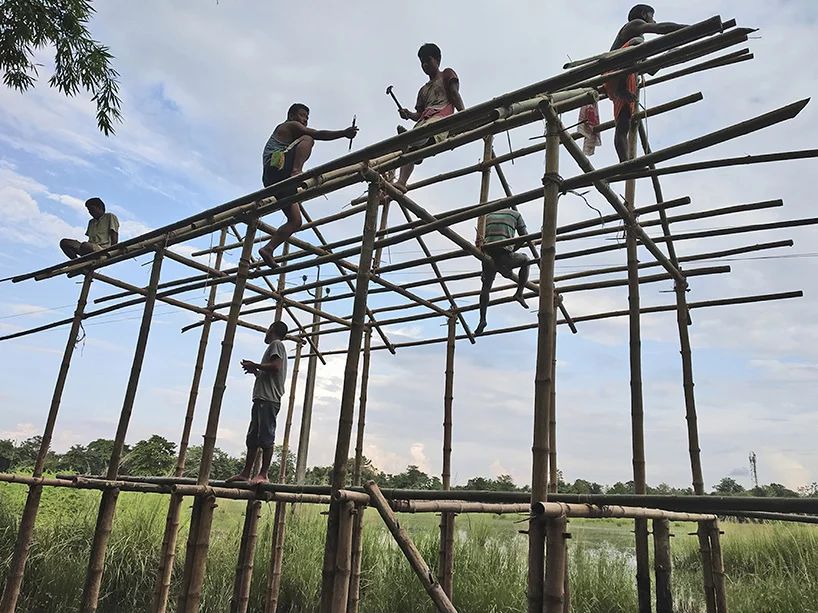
270, 373
623, 91
501, 226
289, 146
102, 232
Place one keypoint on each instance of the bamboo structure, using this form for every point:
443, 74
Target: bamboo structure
381, 306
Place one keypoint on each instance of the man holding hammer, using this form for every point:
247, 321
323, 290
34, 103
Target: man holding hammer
438, 98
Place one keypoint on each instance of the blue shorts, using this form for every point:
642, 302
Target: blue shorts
262, 430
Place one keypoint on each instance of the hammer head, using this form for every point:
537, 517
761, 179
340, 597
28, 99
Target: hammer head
389, 89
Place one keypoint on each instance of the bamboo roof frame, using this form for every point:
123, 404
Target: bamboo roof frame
544, 100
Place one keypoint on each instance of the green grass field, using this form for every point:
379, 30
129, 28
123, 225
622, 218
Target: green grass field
771, 567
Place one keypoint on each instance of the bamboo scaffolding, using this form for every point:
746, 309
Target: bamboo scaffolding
25, 532
357, 556
546, 318
167, 554
309, 394
555, 563
202, 517
107, 505
553, 475
343, 562
333, 547
445, 566
359, 438
279, 522
432, 587
662, 565
707, 568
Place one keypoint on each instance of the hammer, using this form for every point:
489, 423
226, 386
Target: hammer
389, 92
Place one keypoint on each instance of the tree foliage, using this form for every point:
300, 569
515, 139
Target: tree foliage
80, 62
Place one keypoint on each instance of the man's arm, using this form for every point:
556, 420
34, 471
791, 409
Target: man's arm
298, 130
114, 235
414, 116
253, 368
637, 27
453, 88
521, 230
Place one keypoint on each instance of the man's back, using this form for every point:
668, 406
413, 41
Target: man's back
501, 225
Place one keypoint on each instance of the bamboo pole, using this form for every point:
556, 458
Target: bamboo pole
445, 564
279, 523
637, 409
662, 565
485, 183
555, 562
107, 505
359, 439
25, 532
718, 565
167, 555
546, 319
707, 567
309, 394
343, 565
418, 564
553, 474
682, 322
357, 556
332, 550
202, 517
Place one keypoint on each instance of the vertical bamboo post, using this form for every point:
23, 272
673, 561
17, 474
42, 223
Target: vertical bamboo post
445, 566
202, 516
662, 565
707, 567
343, 567
357, 555
682, 322
14, 577
718, 565
309, 394
331, 549
432, 587
566, 597
555, 563
252, 511
279, 525
553, 475
485, 183
637, 410
543, 381
167, 555
107, 505
359, 438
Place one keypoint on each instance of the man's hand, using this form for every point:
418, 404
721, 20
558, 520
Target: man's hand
250, 368
405, 113
351, 132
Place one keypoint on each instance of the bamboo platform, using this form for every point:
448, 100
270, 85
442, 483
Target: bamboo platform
359, 273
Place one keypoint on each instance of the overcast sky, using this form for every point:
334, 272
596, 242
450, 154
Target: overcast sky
204, 84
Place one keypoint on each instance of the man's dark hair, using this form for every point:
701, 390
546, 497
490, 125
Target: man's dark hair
280, 329
95, 202
640, 11
429, 50
295, 108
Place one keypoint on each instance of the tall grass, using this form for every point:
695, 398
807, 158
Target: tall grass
770, 568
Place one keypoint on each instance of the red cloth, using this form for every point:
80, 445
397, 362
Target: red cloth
612, 88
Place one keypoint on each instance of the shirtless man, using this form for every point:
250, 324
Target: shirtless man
623, 90
102, 232
438, 98
289, 146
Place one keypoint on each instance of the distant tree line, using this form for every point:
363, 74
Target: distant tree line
157, 456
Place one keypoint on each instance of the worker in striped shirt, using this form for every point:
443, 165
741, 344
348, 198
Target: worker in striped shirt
500, 226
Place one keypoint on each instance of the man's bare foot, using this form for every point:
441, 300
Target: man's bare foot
239, 477
267, 257
519, 298
259, 479
480, 327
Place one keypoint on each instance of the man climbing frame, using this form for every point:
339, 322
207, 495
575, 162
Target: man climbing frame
289, 146
623, 91
500, 226
438, 98
102, 231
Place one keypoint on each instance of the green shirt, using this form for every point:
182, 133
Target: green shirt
99, 230
502, 224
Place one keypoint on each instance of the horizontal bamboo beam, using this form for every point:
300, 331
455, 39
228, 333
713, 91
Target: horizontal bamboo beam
547, 510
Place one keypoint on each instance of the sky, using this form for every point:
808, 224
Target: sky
203, 85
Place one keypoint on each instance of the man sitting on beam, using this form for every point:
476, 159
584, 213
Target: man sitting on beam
500, 226
289, 146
